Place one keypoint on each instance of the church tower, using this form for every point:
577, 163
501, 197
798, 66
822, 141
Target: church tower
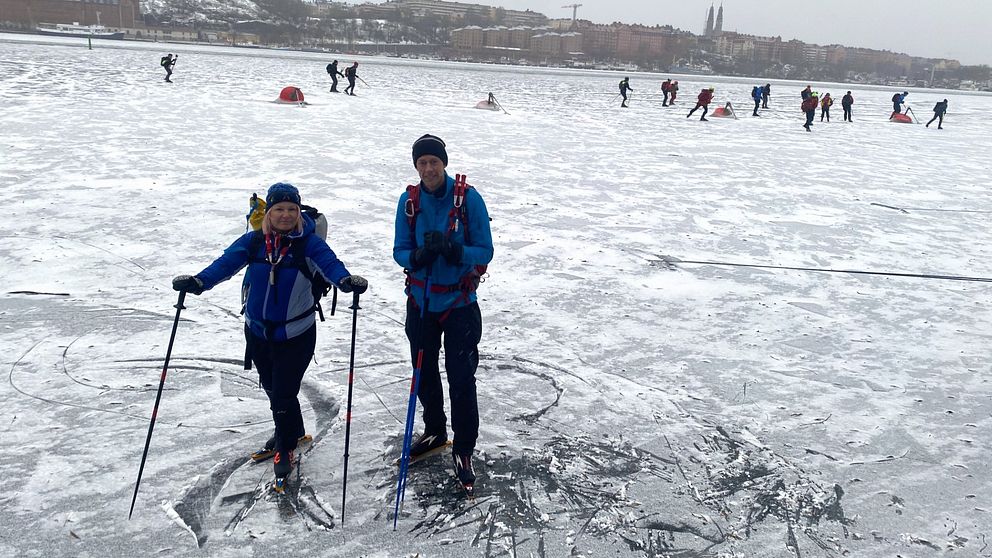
709, 22
719, 21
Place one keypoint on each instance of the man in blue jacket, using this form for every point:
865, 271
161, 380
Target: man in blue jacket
442, 240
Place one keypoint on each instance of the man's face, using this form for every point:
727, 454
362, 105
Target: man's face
431, 171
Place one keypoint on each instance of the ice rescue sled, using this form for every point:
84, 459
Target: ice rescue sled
486, 105
722, 112
901, 118
290, 95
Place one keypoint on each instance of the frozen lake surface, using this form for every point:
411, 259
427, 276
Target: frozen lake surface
629, 407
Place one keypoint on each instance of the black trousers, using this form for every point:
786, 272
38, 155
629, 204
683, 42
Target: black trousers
280, 366
757, 105
706, 109
810, 114
168, 73
334, 82
847, 114
664, 102
764, 101
825, 111
896, 107
351, 86
937, 115
460, 332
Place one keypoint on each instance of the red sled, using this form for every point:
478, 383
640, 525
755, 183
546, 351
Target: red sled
901, 118
722, 112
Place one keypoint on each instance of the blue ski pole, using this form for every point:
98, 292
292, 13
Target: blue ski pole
412, 405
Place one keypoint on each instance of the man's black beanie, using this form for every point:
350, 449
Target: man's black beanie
429, 145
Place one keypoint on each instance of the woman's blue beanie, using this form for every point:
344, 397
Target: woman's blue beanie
282, 192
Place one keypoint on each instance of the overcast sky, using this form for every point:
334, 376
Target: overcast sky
960, 29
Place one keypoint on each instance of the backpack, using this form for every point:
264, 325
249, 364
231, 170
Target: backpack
469, 282
165, 61
896, 98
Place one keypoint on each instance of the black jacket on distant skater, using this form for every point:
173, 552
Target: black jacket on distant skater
332, 70
351, 72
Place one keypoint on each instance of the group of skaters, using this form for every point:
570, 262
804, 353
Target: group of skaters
350, 73
811, 100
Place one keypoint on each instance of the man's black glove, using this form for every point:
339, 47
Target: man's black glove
355, 283
452, 251
187, 283
422, 257
437, 242
426, 254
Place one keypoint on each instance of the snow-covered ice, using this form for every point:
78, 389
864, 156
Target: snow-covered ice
628, 408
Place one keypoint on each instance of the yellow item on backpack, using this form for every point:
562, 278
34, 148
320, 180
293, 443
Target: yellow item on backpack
256, 212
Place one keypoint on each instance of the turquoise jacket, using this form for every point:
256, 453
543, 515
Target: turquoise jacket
433, 216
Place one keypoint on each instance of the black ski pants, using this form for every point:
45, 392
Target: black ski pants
168, 73
937, 115
764, 101
810, 115
825, 111
706, 109
334, 83
461, 332
757, 105
351, 86
664, 102
847, 114
280, 366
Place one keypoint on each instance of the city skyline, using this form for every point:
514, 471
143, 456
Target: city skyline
957, 32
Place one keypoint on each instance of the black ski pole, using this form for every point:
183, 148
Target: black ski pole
158, 397
334, 300
351, 382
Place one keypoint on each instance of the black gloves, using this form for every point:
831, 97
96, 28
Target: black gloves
355, 283
187, 283
422, 257
440, 244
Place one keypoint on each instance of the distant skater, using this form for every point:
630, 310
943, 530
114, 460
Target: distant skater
168, 62
938, 113
703, 100
809, 107
766, 92
666, 87
673, 91
332, 70
846, 103
756, 93
825, 103
624, 88
897, 101
351, 72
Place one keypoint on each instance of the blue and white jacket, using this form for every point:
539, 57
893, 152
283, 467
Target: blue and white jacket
268, 307
434, 217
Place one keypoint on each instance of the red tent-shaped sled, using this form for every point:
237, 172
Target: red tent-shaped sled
901, 118
722, 112
290, 94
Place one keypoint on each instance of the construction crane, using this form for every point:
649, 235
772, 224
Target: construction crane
575, 9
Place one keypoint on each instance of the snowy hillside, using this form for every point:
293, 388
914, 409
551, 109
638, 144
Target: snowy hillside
631, 405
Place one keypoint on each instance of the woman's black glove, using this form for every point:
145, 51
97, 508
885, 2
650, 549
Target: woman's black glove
188, 283
355, 283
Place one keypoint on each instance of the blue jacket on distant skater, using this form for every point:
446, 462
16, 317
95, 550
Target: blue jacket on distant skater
478, 249
270, 309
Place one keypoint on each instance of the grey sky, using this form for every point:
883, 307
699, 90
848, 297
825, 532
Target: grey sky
932, 28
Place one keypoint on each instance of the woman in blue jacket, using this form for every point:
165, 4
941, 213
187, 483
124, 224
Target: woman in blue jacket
279, 304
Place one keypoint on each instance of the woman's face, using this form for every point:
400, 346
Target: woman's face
283, 216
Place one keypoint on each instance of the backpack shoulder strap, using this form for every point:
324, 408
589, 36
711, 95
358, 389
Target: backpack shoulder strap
412, 207
255, 244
